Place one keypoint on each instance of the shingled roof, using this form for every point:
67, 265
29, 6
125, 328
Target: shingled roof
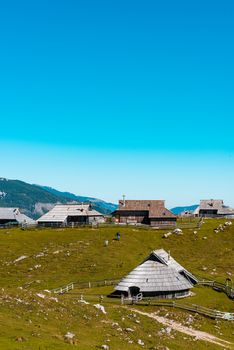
159, 272
156, 208
14, 214
60, 212
206, 204
216, 204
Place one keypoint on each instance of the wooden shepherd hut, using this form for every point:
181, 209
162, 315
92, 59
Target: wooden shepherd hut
159, 275
148, 212
71, 214
13, 216
211, 208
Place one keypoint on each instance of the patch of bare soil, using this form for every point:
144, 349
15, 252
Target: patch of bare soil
199, 335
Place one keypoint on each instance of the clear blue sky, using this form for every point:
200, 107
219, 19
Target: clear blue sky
103, 98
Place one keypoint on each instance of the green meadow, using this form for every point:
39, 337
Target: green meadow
35, 260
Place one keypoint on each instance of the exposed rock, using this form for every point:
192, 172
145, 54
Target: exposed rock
20, 339
22, 257
105, 347
166, 235
55, 299
140, 342
39, 255
129, 330
168, 330
70, 338
83, 301
40, 295
228, 223
37, 267
100, 307
69, 335
178, 231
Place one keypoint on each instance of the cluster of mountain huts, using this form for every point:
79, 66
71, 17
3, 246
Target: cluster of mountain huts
134, 212
59, 215
159, 275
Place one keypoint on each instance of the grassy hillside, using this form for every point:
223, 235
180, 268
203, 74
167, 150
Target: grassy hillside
59, 256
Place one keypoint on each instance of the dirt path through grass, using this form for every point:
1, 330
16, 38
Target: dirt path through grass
199, 335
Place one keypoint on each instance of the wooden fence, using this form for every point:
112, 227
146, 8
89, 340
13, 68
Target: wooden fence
215, 314
146, 301
190, 307
218, 286
84, 285
195, 223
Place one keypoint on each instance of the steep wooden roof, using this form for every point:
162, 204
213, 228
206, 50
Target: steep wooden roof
207, 204
156, 208
14, 214
158, 273
60, 212
216, 204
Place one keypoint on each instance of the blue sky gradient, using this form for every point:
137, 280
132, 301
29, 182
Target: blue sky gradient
111, 97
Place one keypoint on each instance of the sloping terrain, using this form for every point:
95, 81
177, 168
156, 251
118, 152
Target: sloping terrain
35, 200
31, 199
98, 204
34, 261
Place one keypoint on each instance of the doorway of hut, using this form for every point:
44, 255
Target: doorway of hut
133, 291
79, 219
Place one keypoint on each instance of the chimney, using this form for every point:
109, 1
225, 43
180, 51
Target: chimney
169, 255
124, 200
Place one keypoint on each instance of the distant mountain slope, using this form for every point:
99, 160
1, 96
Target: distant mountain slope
98, 204
179, 210
35, 200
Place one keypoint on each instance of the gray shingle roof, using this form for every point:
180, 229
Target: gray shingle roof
158, 273
60, 212
211, 204
216, 204
226, 211
13, 214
